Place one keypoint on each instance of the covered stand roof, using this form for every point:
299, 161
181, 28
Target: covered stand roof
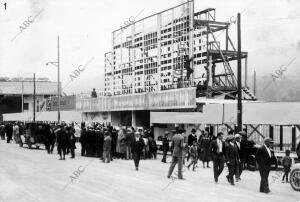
273, 113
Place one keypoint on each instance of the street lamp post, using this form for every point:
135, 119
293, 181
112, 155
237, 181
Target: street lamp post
56, 64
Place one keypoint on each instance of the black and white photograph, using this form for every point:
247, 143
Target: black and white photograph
149, 101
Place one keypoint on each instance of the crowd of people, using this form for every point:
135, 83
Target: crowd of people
108, 143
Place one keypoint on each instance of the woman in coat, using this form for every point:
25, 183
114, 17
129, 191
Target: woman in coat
204, 144
120, 148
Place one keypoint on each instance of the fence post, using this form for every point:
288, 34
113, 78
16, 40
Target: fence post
271, 131
281, 138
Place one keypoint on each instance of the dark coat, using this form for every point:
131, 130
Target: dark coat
72, 141
214, 148
62, 138
232, 155
262, 157
137, 146
165, 144
83, 137
240, 149
191, 139
204, 145
152, 145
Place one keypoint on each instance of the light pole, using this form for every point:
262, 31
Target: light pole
56, 64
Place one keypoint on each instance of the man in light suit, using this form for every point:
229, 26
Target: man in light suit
177, 156
263, 158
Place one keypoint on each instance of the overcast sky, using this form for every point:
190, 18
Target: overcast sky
270, 33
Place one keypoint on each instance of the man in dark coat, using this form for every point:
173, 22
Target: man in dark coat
62, 142
99, 148
72, 142
232, 159
106, 147
114, 138
165, 146
137, 146
83, 142
177, 156
9, 132
240, 148
47, 141
217, 149
89, 143
263, 158
2, 131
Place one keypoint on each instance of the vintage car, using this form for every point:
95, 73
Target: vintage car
34, 135
295, 177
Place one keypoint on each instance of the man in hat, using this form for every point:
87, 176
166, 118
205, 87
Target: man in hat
137, 146
177, 157
263, 158
62, 142
240, 148
128, 140
191, 138
246, 147
165, 146
217, 149
232, 158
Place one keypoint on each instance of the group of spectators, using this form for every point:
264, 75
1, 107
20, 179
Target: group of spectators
108, 143
98, 139
234, 151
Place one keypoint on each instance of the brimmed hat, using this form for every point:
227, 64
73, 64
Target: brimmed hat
230, 137
193, 130
268, 140
242, 133
237, 136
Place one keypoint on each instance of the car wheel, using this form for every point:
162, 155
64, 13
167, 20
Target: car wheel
295, 179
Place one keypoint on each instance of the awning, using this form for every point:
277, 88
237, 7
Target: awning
270, 113
212, 115
66, 116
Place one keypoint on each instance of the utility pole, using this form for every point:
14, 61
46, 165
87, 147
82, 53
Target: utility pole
34, 97
254, 83
58, 83
239, 71
56, 64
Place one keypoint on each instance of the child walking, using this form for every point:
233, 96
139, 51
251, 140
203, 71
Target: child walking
287, 163
194, 155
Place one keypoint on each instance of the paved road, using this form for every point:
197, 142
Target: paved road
33, 175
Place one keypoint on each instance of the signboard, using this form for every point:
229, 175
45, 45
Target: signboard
66, 103
169, 99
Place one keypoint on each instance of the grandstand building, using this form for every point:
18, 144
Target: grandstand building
167, 62
16, 94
